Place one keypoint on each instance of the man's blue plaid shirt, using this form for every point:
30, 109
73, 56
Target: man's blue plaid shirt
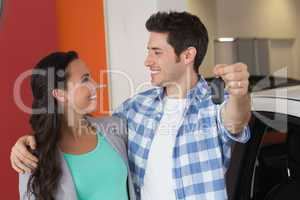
202, 148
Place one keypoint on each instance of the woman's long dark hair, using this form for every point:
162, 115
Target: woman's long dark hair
49, 73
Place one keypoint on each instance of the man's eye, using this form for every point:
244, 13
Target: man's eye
157, 53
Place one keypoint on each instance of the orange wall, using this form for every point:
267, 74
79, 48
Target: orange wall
30, 30
81, 28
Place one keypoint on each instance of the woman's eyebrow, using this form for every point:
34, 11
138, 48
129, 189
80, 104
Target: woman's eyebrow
85, 75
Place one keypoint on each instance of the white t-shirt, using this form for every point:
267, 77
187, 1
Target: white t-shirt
158, 181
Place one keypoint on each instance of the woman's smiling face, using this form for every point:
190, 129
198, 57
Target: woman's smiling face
81, 88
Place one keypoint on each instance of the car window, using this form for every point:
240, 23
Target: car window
275, 162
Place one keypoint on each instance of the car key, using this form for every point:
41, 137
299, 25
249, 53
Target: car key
217, 89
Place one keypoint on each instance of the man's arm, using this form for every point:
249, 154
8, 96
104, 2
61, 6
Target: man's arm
236, 114
21, 159
237, 111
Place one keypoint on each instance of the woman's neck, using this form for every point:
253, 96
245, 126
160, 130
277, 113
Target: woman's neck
77, 138
73, 126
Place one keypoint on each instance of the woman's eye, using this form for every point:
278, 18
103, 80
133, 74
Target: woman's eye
85, 79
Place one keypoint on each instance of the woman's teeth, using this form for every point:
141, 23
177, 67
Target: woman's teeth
93, 97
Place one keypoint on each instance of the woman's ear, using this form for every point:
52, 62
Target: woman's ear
59, 95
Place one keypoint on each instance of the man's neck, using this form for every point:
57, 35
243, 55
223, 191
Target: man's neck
181, 87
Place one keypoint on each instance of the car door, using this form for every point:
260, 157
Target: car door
263, 163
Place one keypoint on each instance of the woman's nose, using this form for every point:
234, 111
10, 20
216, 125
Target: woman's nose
94, 82
97, 85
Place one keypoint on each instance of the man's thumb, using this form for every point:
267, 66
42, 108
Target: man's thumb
31, 142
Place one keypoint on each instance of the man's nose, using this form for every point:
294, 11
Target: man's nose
149, 61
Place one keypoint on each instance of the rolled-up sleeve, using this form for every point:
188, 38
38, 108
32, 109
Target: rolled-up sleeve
227, 138
241, 137
122, 110
23, 182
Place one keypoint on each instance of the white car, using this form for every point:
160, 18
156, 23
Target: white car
268, 166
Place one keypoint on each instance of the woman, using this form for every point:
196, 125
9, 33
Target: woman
80, 157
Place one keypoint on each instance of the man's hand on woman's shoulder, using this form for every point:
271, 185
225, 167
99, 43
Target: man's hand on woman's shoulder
22, 160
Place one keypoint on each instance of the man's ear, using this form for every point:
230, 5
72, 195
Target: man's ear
59, 95
189, 55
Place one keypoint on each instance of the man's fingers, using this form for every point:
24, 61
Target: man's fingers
16, 168
18, 163
19, 171
25, 159
223, 69
232, 69
238, 76
237, 84
235, 76
24, 151
30, 141
218, 69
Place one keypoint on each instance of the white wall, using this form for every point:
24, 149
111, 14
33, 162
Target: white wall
206, 11
257, 18
281, 56
263, 19
296, 50
127, 36
126, 44
250, 19
167, 5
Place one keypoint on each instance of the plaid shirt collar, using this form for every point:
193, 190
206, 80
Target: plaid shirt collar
200, 91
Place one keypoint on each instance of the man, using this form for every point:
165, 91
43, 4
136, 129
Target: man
179, 142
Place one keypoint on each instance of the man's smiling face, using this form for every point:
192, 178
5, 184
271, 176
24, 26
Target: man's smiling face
165, 66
